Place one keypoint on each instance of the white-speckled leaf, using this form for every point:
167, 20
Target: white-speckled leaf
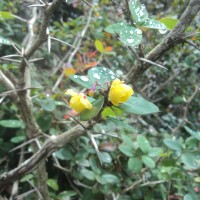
102, 76
126, 33
151, 23
82, 80
138, 11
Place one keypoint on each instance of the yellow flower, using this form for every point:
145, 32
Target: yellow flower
119, 92
78, 102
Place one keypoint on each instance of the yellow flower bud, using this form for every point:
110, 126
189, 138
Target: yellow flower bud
119, 92
79, 102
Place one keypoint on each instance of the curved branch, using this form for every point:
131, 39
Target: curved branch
50, 146
174, 38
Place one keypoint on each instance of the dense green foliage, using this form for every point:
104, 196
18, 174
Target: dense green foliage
144, 152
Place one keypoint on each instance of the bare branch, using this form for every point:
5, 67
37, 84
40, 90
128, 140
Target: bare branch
51, 145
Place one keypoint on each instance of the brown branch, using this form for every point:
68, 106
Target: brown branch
185, 109
51, 145
174, 38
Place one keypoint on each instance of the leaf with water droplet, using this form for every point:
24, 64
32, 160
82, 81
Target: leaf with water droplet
82, 80
154, 24
138, 11
127, 34
101, 76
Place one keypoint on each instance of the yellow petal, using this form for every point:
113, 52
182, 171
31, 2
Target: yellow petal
119, 92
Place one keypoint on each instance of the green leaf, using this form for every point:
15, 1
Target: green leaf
139, 105
52, 183
124, 124
95, 165
96, 107
111, 112
154, 24
66, 195
170, 23
101, 76
105, 157
99, 46
143, 143
138, 11
195, 134
149, 162
127, 147
172, 144
190, 160
109, 179
27, 178
90, 175
154, 152
6, 15
126, 33
11, 123
135, 164
82, 80
64, 154
188, 197
5, 41
45, 121
48, 104
18, 139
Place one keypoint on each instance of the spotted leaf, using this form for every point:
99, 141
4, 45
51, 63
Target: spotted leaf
151, 23
126, 33
82, 80
138, 11
101, 76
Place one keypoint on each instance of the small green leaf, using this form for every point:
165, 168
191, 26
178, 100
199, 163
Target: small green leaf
195, 134
170, 23
18, 139
66, 195
188, 197
64, 154
90, 175
5, 41
11, 123
190, 160
95, 165
108, 179
111, 112
139, 105
27, 178
6, 15
154, 152
48, 104
101, 76
138, 11
45, 121
96, 107
143, 143
105, 157
127, 34
127, 147
99, 46
82, 80
52, 183
149, 162
172, 144
154, 24
134, 164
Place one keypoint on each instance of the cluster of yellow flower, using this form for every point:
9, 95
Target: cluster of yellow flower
118, 93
